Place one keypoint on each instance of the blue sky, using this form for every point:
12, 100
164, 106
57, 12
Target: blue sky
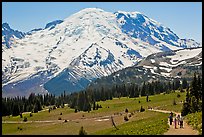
183, 18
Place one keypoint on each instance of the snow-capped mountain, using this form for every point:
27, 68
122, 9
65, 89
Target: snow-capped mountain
9, 36
174, 64
67, 55
162, 66
49, 26
137, 25
52, 24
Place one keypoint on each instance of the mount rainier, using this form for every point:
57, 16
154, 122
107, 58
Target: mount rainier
68, 54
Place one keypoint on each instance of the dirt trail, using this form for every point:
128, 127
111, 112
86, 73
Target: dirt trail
186, 130
98, 118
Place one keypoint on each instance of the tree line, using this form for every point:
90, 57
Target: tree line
86, 100
34, 103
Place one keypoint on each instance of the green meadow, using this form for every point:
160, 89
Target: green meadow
98, 121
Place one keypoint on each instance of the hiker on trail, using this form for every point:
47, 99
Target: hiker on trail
175, 122
181, 122
178, 118
171, 118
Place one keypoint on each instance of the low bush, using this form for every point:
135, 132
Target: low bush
82, 131
126, 118
20, 128
195, 120
142, 109
25, 119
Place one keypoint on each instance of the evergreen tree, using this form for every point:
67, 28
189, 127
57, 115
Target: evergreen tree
102, 94
82, 131
94, 105
16, 110
199, 83
132, 91
143, 91
147, 98
194, 105
184, 83
194, 87
177, 84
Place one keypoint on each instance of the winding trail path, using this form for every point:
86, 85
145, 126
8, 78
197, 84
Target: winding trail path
187, 130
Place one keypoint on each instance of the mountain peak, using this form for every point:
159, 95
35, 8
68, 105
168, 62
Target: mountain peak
127, 12
91, 9
52, 24
5, 26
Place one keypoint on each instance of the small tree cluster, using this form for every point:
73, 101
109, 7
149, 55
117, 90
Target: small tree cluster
193, 102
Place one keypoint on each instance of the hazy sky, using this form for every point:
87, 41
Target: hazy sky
183, 18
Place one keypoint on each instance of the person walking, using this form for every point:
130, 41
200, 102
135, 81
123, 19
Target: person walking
181, 122
170, 119
178, 118
175, 120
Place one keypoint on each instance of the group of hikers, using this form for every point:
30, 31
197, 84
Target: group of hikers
178, 119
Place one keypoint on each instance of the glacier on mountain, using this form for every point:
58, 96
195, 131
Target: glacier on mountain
67, 55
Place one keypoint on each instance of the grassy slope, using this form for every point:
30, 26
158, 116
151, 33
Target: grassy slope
152, 123
72, 127
195, 120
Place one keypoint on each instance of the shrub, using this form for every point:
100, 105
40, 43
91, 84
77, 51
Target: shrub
65, 120
25, 119
82, 131
139, 101
59, 118
126, 118
195, 120
19, 128
61, 113
182, 90
142, 109
31, 114
54, 107
126, 110
178, 95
